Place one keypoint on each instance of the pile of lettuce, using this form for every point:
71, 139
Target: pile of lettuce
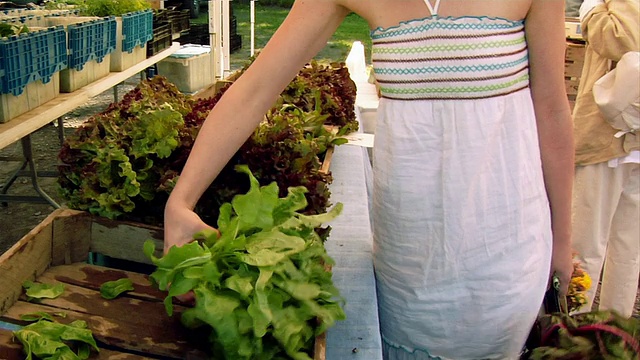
261, 288
592, 335
125, 159
325, 87
123, 162
48, 339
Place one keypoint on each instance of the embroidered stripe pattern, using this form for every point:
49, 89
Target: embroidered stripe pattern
446, 24
451, 58
461, 89
446, 47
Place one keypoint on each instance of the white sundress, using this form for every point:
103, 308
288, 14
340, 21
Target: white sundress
462, 233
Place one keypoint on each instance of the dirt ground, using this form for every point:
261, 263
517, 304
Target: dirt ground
17, 218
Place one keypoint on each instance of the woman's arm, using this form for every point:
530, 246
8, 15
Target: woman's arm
303, 34
544, 28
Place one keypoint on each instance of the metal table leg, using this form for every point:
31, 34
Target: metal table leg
42, 197
61, 130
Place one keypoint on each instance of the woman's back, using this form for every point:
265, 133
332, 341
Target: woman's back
387, 13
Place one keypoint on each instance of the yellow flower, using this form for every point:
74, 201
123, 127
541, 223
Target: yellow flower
580, 283
585, 281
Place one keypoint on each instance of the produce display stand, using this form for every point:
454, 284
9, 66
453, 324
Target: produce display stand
133, 326
21, 127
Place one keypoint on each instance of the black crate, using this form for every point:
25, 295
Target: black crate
197, 34
179, 21
161, 38
157, 45
235, 41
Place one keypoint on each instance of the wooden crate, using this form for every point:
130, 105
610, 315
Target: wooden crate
132, 326
573, 63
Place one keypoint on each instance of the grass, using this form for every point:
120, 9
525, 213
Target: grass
267, 20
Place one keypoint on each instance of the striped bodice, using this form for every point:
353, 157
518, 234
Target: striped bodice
450, 58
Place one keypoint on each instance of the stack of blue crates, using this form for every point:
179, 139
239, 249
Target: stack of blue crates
31, 56
137, 29
91, 40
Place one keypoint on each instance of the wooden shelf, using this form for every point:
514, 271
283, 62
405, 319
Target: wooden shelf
33, 120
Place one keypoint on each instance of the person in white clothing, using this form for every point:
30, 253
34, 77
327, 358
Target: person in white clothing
607, 174
473, 163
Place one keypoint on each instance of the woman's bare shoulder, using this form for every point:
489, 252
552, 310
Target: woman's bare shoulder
390, 12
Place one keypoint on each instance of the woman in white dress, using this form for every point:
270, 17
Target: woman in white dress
472, 164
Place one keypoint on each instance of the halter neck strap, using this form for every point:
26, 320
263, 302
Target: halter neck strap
433, 9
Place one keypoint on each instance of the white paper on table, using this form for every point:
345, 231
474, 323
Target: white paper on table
360, 139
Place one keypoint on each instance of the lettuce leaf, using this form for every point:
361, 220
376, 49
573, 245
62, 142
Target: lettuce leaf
260, 287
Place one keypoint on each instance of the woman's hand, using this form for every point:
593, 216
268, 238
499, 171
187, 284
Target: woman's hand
562, 265
180, 225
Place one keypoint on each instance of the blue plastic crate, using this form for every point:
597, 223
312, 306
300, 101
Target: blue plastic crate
51, 52
30, 57
108, 44
92, 40
137, 29
29, 20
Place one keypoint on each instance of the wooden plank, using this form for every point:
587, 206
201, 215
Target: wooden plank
320, 347
123, 240
71, 237
27, 259
129, 337
169, 340
92, 277
8, 348
213, 89
326, 163
25, 124
11, 350
209, 91
120, 310
572, 87
573, 69
575, 50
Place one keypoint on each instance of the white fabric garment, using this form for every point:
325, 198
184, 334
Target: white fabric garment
461, 226
462, 233
587, 6
606, 209
633, 157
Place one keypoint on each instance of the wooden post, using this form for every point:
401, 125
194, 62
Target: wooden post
253, 26
215, 38
226, 39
